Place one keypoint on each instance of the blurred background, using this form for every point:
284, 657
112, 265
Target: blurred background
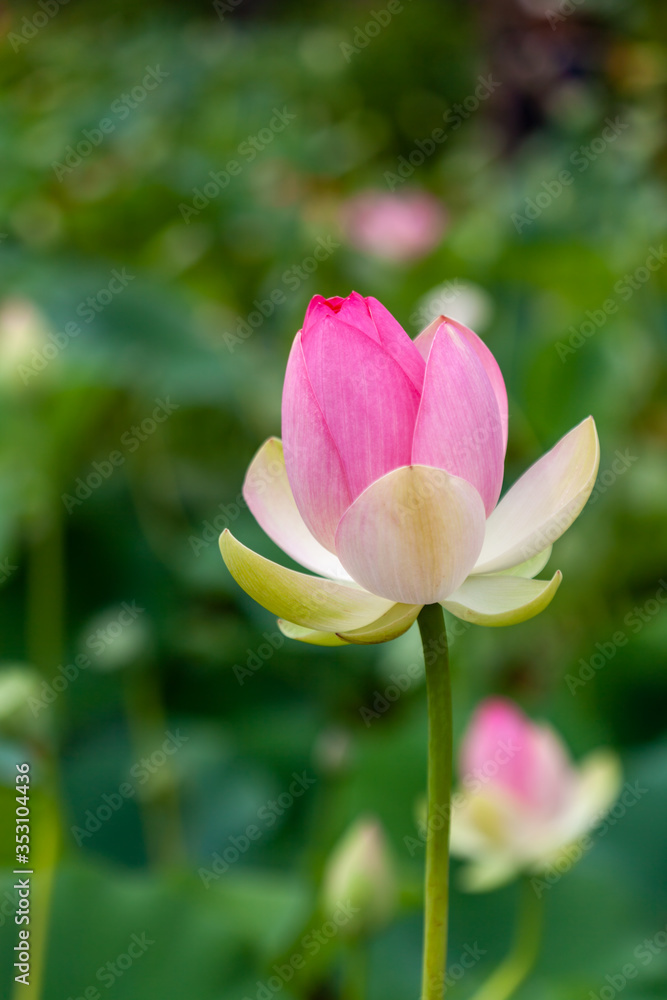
177, 181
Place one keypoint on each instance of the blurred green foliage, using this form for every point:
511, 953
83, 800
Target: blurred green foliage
141, 532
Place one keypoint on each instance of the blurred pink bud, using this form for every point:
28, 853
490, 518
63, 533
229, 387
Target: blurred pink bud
522, 802
399, 226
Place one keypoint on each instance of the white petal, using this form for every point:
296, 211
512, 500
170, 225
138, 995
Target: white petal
501, 599
489, 873
528, 569
597, 786
269, 496
543, 503
311, 636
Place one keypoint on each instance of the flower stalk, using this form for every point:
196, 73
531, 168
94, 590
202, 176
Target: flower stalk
511, 973
436, 904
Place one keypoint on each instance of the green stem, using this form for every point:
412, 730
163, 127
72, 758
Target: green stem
44, 642
512, 972
148, 724
45, 598
436, 907
354, 970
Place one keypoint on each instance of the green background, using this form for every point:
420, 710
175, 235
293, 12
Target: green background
147, 533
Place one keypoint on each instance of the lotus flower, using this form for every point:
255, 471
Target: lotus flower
399, 227
387, 484
524, 803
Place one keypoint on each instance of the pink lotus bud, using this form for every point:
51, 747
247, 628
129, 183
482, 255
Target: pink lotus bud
400, 226
388, 483
522, 801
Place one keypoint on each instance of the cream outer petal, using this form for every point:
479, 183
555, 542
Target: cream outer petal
413, 535
269, 496
310, 601
502, 599
395, 622
543, 503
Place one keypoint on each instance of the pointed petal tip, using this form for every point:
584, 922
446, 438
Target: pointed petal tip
543, 502
312, 602
499, 600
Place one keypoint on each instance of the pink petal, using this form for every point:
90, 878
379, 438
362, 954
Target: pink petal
495, 723
396, 342
459, 426
367, 401
370, 317
352, 310
413, 535
491, 366
503, 748
314, 467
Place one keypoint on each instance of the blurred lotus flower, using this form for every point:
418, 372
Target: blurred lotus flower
523, 802
389, 481
23, 330
398, 227
361, 872
463, 301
